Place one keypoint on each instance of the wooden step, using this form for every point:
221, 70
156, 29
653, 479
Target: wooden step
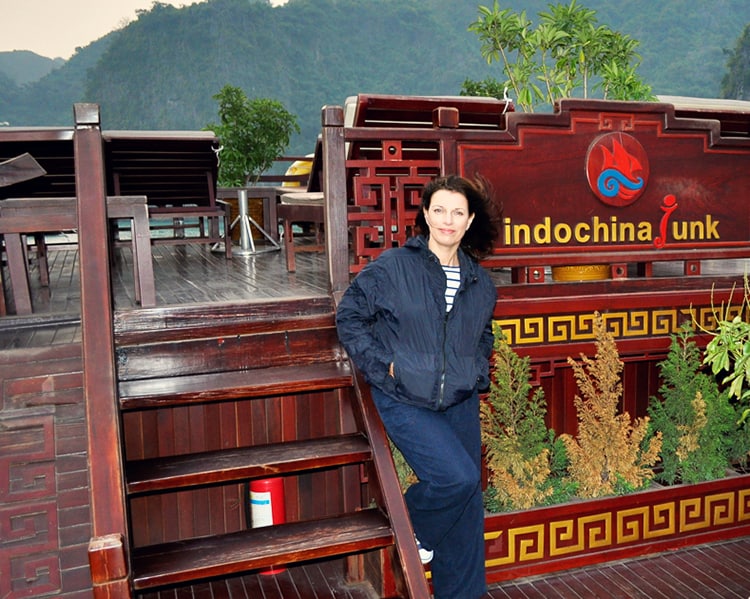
235, 384
224, 555
181, 322
223, 466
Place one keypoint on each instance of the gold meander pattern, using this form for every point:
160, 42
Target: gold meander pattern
566, 328
610, 530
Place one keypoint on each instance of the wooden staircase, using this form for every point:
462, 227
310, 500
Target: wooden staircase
213, 361
187, 404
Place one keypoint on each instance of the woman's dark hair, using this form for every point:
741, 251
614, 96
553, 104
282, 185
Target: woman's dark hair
481, 235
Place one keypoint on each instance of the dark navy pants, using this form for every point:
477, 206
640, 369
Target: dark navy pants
444, 449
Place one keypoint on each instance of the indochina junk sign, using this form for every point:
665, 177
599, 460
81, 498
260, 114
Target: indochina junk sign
629, 178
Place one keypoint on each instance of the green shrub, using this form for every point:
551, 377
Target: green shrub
695, 418
526, 465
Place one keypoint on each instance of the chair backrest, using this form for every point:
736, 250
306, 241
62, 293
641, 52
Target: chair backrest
19, 169
171, 168
51, 148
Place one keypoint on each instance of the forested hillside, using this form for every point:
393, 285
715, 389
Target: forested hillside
23, 66
161, 71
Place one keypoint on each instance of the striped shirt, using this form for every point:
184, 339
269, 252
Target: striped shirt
452, 281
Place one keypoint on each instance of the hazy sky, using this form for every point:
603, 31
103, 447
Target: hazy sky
55, 28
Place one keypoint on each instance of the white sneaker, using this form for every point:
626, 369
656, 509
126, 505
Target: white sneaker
425, 555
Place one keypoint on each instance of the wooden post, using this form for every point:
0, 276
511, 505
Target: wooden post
109, 524
334, 191
447, 117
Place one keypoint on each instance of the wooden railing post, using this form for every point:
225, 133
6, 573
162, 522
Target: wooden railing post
107, 548
334, 191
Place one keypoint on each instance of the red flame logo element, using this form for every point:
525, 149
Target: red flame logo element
617, 169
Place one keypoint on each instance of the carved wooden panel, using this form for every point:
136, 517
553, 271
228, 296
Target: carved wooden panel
385, 196
44, 494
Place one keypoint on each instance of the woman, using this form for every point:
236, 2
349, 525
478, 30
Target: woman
417, 323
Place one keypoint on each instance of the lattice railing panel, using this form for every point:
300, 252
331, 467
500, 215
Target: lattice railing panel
384, 196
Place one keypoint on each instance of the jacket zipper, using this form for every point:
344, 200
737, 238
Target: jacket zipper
441, 395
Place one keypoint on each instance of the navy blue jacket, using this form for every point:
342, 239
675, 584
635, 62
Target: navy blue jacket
394, 311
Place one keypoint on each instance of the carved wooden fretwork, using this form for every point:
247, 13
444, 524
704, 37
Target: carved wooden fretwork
385, 196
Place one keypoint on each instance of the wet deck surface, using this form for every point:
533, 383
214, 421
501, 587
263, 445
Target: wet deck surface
714, 571
184, 274
194, 274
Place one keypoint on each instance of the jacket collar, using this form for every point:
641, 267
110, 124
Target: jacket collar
419, 242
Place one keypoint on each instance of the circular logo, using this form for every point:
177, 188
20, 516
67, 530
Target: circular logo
617, 168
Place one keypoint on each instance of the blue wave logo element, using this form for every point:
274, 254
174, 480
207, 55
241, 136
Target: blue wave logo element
612, 183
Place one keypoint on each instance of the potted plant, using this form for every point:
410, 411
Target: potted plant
728, 356
253, 133
525, 463
610, 453
695, 417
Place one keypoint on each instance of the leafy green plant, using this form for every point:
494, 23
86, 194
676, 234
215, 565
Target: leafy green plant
728, 355
526, 465
695, 418
567, 52
252, 133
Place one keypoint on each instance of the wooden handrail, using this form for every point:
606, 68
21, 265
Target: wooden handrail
392, 499
107, 549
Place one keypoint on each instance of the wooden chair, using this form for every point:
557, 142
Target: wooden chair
304, 207
176, 171
18, 169
301, 207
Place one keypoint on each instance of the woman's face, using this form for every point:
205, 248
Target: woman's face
448, 217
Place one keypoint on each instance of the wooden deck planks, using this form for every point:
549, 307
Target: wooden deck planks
320, 580
712, 571
187, 274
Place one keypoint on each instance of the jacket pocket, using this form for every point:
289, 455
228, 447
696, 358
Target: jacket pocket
464, 374
416, 375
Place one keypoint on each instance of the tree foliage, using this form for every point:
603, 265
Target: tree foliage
568, 52
696, 420
736, 83
526, 465
728, 356
252, 133
160, 70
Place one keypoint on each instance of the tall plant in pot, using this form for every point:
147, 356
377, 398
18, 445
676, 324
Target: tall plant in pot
611, 453
253, 133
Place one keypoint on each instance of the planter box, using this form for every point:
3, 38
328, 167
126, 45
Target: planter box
581, 533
